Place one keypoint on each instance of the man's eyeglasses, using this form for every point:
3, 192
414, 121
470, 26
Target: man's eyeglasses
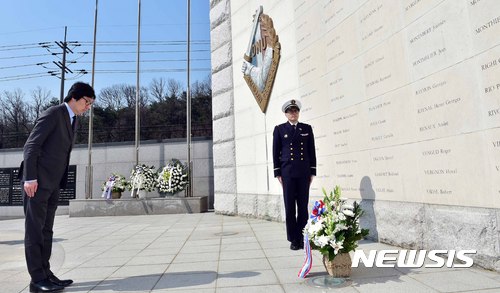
87, 102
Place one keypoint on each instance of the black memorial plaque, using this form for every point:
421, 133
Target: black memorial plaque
5, 175
70, 191
10, 187
16, 195
4, 196
5, 186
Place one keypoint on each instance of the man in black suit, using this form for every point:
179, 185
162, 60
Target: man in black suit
294, 158
44, 171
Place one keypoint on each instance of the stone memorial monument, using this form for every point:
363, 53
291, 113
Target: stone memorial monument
404, 98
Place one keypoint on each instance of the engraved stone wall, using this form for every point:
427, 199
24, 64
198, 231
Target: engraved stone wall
404, 100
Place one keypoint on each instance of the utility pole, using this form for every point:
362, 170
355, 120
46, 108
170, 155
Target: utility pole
62, 66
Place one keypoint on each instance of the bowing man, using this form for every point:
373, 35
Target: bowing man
43, 172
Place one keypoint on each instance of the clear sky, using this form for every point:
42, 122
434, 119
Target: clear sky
30, 28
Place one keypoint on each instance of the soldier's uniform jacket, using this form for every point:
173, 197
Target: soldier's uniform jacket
294, 153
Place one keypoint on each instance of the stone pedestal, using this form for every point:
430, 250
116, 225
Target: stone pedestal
133, 206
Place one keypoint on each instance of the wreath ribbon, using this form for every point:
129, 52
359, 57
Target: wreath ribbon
306, 267
171, 173
136, 183
316, 213
109, 187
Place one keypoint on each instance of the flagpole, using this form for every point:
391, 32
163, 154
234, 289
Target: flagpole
138, 89
188, 103
89, 173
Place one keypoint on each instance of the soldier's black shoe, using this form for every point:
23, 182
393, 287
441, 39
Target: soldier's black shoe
294, 246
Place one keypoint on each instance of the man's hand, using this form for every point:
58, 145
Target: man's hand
280, 180
30, 188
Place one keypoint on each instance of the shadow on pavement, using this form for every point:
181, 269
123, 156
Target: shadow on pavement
199, 279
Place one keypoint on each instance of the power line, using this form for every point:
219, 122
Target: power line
23, 76
25, 65
150, 43
16, 48
53, 49
77, 76
26, 56
103, 43
103, 26
150, 70
20, 45
106, 52
147, 61
101, 71
149, 52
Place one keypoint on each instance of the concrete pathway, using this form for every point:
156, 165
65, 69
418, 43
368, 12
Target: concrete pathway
204, 253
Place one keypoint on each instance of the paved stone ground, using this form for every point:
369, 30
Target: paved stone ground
204, 253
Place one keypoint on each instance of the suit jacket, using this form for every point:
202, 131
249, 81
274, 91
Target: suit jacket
47, 150
294, 153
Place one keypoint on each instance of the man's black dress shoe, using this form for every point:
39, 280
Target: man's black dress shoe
45, 286
294, 246
64, 283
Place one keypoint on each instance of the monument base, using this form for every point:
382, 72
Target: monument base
132, 206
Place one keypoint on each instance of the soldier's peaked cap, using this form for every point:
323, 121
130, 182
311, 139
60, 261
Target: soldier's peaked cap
291, 103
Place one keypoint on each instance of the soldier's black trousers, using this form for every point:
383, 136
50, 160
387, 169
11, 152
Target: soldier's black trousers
296, 198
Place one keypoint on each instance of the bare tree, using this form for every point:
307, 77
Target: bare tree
174, 88
158, 89
112, 97
121, 96
144, 97
162, 90
16, 111
203, 88
40, 98
129, 93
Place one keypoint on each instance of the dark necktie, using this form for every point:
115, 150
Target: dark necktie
73, 123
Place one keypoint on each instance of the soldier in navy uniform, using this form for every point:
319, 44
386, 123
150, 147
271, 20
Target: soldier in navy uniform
294, 158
